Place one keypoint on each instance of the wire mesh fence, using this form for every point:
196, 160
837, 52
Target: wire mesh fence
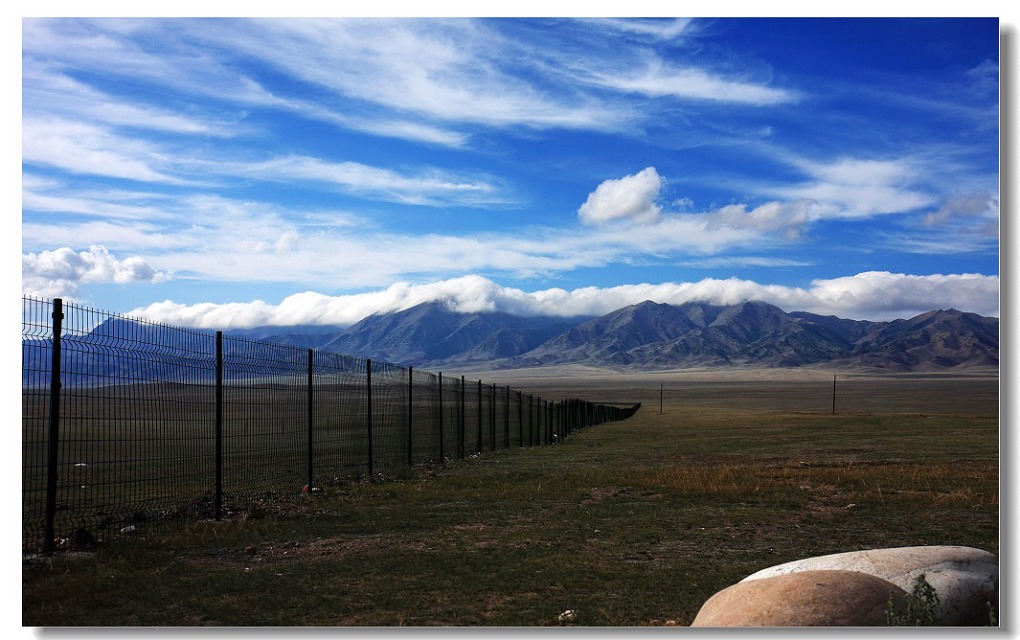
128, 425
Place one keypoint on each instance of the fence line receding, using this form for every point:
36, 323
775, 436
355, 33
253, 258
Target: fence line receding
128, 424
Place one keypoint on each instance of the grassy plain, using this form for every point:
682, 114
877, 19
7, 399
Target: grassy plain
630, 523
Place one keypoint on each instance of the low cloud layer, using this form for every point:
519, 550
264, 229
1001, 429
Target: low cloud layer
875, 295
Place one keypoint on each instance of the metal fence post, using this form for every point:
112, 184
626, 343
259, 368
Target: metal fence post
506, 421
548, 422
460, 426
218, 497
54, 431
538, 422
520, 417
533, 418
311, 419
410, 412
368, 388
478, 445
442, 456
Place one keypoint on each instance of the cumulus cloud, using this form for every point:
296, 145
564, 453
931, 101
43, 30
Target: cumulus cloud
628, 198
873, 295
58, 273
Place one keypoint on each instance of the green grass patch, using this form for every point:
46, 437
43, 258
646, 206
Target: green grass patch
627, 524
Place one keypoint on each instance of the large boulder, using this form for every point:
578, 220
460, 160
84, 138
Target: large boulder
803, 599
965, 579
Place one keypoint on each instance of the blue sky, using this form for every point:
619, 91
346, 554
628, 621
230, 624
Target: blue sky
233, 172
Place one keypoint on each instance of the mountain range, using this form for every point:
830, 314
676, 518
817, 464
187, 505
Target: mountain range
652, 335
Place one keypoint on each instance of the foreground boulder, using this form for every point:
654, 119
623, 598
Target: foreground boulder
823, 598
965, 579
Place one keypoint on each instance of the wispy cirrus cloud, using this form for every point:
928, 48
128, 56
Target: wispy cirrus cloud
45, 90
657, 28
82, 148
428, 187
856, 188
658, 80
447, 71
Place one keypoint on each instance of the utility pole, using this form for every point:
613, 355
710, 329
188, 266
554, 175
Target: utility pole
660, 398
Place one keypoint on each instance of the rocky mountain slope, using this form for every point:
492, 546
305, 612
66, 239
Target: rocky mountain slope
652, 335
645, 336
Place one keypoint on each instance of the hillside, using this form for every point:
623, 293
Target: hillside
650, 335
431, 334
645, 336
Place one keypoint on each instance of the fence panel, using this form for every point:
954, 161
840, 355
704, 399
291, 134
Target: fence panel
264, 419
135, 439
424, 417
341, 402
389, 418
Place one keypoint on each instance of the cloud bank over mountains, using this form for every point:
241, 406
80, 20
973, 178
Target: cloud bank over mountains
865, 296
537, 166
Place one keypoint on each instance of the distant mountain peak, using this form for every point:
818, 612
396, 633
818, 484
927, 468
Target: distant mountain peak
650, 335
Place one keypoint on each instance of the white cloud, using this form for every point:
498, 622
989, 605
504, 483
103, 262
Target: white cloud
221, 239
789, 218
90, 150
659, 29
881, 294
866, 296
58, 273
628, 198
969, 206
451, 71
985, 77
47, 91
117, 47
743, 262
428, 187
854, 188
690, 83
